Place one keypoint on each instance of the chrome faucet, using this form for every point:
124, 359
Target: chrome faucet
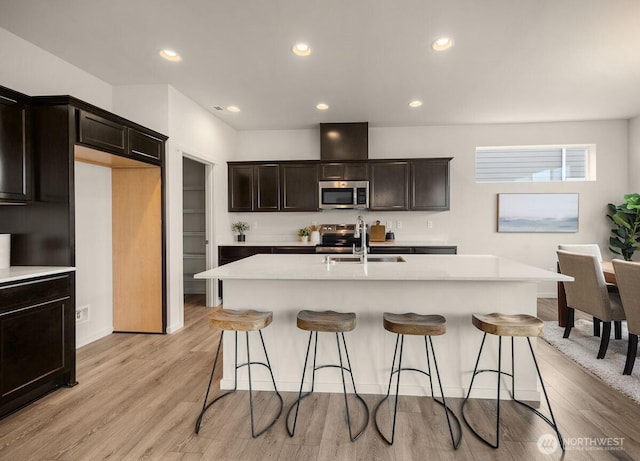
360, 232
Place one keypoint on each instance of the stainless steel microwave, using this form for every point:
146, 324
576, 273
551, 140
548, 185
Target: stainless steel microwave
343, 195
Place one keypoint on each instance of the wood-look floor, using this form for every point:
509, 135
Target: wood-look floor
139, 396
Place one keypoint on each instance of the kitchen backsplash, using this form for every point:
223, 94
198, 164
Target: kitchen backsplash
282, 227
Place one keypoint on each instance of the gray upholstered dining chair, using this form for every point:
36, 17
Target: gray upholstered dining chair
628, 278
588, 293
593, 249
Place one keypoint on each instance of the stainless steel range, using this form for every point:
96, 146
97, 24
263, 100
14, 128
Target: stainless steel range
337, 238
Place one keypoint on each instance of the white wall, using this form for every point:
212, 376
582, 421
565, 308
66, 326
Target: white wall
634, 155
471, 222
194, 132
197, 133
33, 71
94, 280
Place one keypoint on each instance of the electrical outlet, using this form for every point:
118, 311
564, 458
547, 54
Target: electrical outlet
82, 314
389, 225
429, 224
399, 225
254, 226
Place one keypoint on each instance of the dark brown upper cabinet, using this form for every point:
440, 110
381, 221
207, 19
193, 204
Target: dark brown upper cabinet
299, 186
388, 185
15, 155
240, 187
394, 185
267, 187
101, 133
429, 184
344, 141
254, 187
116, 136
347, 171
144, 145
274, 186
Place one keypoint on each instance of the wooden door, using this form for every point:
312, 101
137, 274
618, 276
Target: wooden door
137, 249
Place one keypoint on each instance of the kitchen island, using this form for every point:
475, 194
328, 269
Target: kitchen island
452, 285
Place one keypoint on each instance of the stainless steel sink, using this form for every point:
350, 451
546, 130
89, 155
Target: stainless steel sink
371, 259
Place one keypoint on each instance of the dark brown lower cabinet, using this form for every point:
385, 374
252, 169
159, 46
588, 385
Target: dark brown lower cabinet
37, 339
426, 250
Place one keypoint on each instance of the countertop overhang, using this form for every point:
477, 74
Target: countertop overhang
16, 273
417, 267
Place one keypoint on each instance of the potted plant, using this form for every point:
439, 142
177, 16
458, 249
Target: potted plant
626, 231
304, 234
240, 227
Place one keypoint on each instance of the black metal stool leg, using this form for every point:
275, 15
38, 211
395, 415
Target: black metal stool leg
205, 405
344, 388
375, 411
551, 422
447, 410
355, 391
296, 404
399, 344
477, 372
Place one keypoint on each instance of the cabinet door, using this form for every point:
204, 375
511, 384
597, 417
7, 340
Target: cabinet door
388, 186
343, 171
96, 131
231, 253
294, 250
267, 187
299, 187
144, 145
32, 347
15, 158
240, 188
436, 250
430, 184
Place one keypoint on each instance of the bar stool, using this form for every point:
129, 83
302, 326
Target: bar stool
330, 322
245, 320
415, 325
512, 326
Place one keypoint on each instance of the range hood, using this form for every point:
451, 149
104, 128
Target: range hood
344, 141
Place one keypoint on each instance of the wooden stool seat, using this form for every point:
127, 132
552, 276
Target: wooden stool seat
414, 324
245, 320
509, 324
328, 321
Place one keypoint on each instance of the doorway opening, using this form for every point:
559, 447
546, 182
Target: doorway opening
197, 212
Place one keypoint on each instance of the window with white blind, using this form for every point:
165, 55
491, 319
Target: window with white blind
534, 163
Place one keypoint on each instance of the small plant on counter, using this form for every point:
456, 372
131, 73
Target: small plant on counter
625, 235
304, 232
240, 227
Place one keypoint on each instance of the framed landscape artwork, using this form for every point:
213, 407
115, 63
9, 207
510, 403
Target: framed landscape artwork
537, 212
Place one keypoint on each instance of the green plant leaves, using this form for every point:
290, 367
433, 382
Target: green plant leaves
626, 221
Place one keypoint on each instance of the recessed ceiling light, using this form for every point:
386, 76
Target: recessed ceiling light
442, 43
322, 106
233, 108
415, 103
301, 49
170, 55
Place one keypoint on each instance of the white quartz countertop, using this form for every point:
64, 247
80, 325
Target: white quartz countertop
416, 267
391, 243
15, 273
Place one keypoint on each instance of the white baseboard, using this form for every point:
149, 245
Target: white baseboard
83, 341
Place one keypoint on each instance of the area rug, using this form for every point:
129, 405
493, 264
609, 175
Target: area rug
582, 348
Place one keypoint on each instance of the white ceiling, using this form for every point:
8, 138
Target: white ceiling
513, 61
